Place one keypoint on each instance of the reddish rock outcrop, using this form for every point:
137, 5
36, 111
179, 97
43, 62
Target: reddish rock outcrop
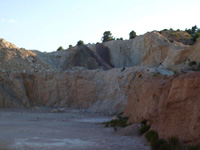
171, 105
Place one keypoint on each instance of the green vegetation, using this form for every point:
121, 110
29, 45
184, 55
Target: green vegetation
151, 136
70, 46
194, 32
194, 147
116, 123
120, 115
119, 122
175, 34
161, 144
132, 35
60, 48
144, 122
123, 69
172, 34
174, 141
155, 142
156, 74
120, 39
192, 63
194, 66
144, 127
107, 36
196, 36
80, 42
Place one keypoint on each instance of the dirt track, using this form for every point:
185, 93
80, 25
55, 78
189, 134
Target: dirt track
43, 130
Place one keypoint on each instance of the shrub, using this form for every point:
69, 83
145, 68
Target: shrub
144, 122
120, 115
195, 37
144, 129
194, 147
132, 34
161, 144
172, 34
122, 122
120, 39
156, 74
173, 140
80, 42
165, 146
107, 36
192, 63
198, 67
60, 48
158, 144
123, 69
174, 143
151, 136
165, 30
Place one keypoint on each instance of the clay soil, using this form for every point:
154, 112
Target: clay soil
43, 130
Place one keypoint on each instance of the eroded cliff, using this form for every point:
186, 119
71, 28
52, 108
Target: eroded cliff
170, 104
96, 90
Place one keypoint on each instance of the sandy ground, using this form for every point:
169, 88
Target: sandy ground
42, 130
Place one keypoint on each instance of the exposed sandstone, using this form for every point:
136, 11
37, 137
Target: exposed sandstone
104, 91
171, 105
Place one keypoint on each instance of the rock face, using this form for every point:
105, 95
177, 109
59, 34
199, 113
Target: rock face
152, 49
171, 105
5, 44
85, 57
104, 91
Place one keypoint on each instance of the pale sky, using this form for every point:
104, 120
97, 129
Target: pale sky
47, 24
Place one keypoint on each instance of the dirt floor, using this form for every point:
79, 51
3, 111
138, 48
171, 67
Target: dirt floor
41, 129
